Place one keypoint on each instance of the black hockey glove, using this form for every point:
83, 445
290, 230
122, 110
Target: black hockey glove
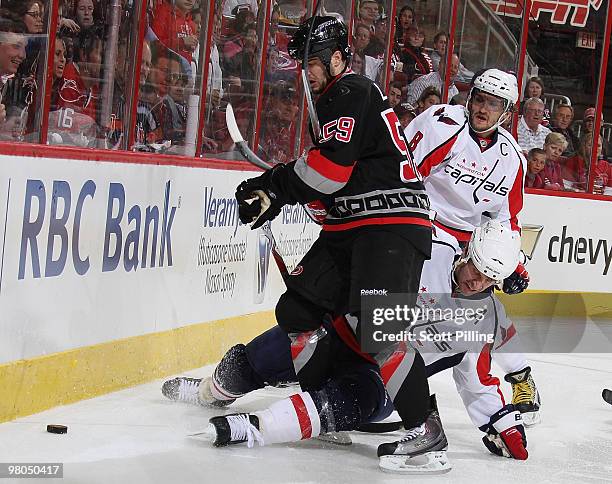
505, 434
258, 201
516, 282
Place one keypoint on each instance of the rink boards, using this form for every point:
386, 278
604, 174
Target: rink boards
113, 274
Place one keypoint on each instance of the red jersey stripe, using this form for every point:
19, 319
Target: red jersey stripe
327, 168
483, 368
515, 200
460, 235
436, 156
378, 221
302, 415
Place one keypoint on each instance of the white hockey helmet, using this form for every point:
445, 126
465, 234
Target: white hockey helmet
500, 84
495, 250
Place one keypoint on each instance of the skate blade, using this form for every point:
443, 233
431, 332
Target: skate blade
336, 438
531, 418
428, 463
209, 434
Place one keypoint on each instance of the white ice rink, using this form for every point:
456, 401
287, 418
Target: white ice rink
136, 436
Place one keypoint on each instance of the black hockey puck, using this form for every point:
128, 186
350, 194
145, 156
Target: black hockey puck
607, 395
57, 429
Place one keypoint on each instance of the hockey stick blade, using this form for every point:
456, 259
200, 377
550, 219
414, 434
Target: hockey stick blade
241, 144
607, 396
380, 427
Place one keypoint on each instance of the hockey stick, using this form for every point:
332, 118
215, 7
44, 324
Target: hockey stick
241, 144
312, 111
607, 396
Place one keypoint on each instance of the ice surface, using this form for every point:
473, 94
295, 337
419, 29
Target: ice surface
137, 436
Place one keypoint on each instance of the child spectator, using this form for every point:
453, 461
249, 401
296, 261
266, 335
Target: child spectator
576, 168
175, 28
536, 160
554, 145
428, 98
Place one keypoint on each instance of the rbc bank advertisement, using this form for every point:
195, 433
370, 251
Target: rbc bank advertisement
102, 251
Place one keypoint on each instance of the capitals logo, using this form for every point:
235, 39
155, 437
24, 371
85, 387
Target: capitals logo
443, 118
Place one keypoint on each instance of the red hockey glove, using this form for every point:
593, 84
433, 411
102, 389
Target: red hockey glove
518, 281
317, 211
506, 434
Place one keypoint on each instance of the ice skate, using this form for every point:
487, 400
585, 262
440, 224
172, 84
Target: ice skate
192, 390
336, 438
525, 396
421, 450
236, 429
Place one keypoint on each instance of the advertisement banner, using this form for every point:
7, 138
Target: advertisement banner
95, 251
574, 248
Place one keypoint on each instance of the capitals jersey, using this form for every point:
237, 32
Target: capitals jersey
466, 177
443, 342
361, 167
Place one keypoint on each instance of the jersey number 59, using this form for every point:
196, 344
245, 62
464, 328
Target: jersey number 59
408, 170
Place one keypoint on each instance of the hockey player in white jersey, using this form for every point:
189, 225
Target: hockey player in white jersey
347, 399
474, 170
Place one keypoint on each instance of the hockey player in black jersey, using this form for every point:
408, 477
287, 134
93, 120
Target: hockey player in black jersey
377, 232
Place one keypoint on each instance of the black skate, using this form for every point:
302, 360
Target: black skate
235, 429
607, 395
525, 396
192, 390
421, 450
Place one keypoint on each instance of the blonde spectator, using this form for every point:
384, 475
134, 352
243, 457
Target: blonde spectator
554, 145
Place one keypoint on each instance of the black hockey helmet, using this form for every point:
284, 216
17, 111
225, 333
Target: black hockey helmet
328, 35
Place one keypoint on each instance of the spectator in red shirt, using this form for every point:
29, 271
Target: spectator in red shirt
576, 168
80, 88
554, 145
59, 64
175, 28
536, 160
